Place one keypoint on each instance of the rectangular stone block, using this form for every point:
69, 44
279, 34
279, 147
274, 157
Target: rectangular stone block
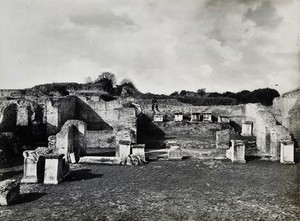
174, 153
123, 149
222, 139
287, 152
178, 117
53, 168
195, 116
34, 165
139, 150
158, 118
247, 128
236, 153
207, 117
9, 191
223, 119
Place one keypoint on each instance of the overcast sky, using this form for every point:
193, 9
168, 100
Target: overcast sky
162, 45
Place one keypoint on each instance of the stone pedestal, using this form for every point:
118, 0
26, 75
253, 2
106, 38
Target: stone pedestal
223, 119
287, 152
195, 116
247, 128
158, 118
123, 150
222, 139
54, 171
178, 117
30, 174
9, 191
139, 150
207, 117
236, 152
174, 152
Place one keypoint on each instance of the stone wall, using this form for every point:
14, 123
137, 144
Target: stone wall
8, 117
168, 107
287, 110
278, 133
12, 93
58, 111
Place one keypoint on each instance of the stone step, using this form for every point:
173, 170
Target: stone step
100, 160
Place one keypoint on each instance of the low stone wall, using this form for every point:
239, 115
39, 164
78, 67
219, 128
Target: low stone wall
168, 107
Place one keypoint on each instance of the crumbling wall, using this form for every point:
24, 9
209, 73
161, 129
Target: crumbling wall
58, 111
168, 107
287, 108
71, 139
8, 117
278, 133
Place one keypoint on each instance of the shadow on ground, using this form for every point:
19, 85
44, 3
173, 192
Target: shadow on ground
28, 197
83, 174
10, 174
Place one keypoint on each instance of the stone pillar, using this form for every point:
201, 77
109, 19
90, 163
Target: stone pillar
9, 191
247, 128
30, 174
222, 139
123, 150
158, 118
178, 117
139, 150
195, 116
174, 152
53, 168
236, 153
287, 152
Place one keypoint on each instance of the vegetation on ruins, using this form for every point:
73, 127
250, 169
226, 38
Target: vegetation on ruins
107, 82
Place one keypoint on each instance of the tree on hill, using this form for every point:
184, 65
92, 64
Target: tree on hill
107, 81
128, 83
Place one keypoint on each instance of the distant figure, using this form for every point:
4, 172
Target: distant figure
154, 105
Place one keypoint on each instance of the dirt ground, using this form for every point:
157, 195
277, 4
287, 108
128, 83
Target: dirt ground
164, 190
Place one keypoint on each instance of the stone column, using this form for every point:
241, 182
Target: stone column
287, 152
247, 128
139, 150
53, 168
195, 116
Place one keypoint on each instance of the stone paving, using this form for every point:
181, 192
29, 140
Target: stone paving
164, 190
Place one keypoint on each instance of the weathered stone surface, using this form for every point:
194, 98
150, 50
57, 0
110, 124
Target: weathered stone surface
54, 168
123, 149
236, 152
100, 160
138, 150
30, 167
207, 117
223, 119
222, 139
9, 191
178, 117
287, 152
195, 116
71, 139
52, 141
278, 134
174, 151
247, 128
158, 118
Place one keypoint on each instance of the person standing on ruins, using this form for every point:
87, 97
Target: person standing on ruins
154, 105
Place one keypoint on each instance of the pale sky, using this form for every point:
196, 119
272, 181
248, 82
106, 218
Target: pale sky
162, 45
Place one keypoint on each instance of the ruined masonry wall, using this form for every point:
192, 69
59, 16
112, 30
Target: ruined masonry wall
170, 106
287, 111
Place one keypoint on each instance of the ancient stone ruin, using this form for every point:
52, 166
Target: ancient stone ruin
84, 128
